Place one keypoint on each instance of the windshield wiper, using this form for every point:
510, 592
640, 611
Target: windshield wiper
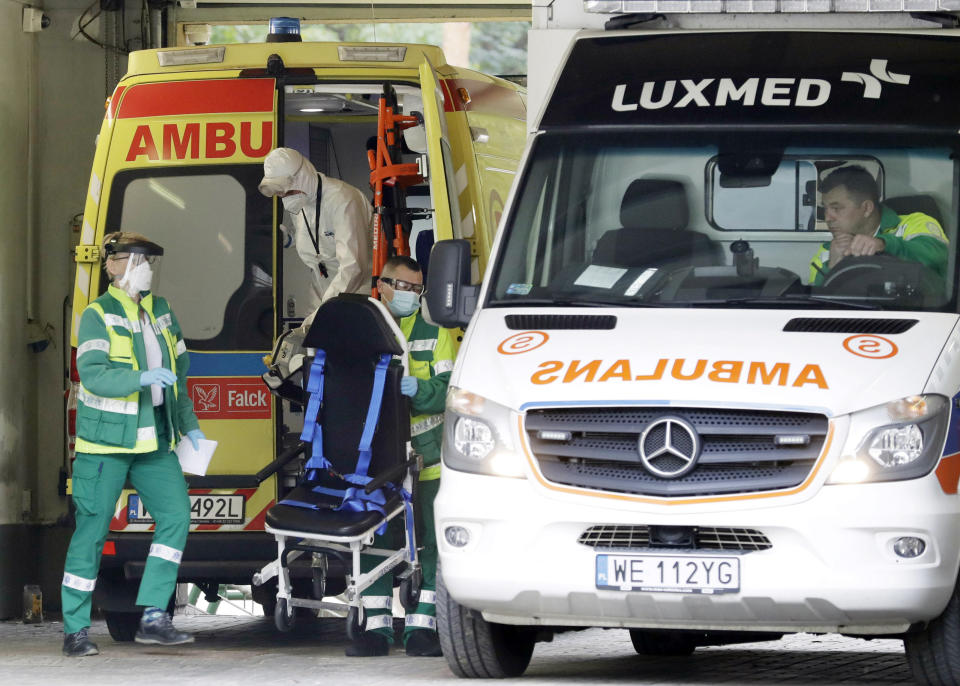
817, 300
566, 302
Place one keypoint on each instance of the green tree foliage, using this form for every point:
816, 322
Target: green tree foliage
499, 47
495, 47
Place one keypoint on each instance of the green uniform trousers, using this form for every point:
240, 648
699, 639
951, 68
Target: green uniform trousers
97, 483
379, 596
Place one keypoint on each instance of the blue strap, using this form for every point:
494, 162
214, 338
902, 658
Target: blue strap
335, 492
370, 423
300, 503
312, 430
358, 500
408, 508
353, 499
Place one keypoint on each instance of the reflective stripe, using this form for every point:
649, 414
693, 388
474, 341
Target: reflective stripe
166, 552
181, 347
377, 602
147, 433
78, 582
379, 622
106, 404
94, 344
422, 344
443, 366
422, 621
164, 321
122, 322
424, 425
431, 473
429, 597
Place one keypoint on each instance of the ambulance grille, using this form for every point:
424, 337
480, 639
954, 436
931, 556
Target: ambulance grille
637, 537
741, 451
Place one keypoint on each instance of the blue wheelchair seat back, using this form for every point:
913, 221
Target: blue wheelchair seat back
356, 420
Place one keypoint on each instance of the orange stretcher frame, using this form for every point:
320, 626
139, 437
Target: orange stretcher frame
390, 240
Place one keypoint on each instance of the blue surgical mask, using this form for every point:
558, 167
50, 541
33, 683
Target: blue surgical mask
404, 303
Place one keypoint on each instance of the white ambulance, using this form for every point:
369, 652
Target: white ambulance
707, 389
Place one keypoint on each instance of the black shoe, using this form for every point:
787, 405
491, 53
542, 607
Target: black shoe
159, 630
423, 643
79, 644
371, 644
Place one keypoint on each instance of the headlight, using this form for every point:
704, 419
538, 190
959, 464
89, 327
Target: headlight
473, 438
905, 448
478, 436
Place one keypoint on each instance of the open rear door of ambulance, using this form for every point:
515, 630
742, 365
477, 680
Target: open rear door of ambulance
443, 193
186, 158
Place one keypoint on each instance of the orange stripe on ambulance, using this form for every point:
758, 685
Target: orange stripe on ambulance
719, 371
186, 141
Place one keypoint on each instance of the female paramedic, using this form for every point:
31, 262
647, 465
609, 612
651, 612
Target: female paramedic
132, 408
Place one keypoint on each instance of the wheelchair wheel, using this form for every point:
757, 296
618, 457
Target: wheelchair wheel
319, 583
355, 625
283, 617
410, 591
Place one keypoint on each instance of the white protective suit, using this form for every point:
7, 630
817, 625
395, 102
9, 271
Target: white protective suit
343, 242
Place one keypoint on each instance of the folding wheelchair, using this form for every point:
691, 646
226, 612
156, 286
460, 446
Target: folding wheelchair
361, 473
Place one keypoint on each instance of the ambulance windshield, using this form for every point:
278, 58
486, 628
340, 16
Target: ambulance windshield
732, 220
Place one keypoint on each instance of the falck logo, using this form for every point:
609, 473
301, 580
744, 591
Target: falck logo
207, 397
779, 91
669, 447
872, 81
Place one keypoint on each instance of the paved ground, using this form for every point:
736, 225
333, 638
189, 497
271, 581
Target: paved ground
246, 650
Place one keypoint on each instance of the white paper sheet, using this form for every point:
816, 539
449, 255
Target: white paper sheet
596, 276
195, 461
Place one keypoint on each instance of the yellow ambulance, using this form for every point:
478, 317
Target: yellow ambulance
179, 158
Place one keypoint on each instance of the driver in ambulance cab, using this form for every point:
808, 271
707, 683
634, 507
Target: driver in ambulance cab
861, 225
332, 224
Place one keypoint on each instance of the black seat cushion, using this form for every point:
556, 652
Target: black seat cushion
654, 214
327, 521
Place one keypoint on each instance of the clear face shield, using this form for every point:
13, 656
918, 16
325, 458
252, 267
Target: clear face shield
134, 266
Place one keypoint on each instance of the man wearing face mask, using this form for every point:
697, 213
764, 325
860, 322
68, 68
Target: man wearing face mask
332, 224
431, 350
132, 410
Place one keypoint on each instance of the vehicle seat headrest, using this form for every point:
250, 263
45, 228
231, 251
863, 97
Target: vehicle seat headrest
351, 325
908, 204
654, 204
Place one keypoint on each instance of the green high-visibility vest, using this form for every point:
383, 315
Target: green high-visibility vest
114, 414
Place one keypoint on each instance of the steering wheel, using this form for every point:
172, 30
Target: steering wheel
881, 276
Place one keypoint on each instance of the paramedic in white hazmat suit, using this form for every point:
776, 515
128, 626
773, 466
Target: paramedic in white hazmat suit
332, 232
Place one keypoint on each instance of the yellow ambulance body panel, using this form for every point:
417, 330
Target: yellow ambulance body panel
179, 158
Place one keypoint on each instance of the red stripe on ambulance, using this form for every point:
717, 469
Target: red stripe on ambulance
197, 97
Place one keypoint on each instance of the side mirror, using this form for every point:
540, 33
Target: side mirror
450, 298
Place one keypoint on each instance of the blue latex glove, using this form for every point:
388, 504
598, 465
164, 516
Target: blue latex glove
160, 375
408, 385
195, 435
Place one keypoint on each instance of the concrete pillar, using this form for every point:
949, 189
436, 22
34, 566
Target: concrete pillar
52, 91
18, 85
